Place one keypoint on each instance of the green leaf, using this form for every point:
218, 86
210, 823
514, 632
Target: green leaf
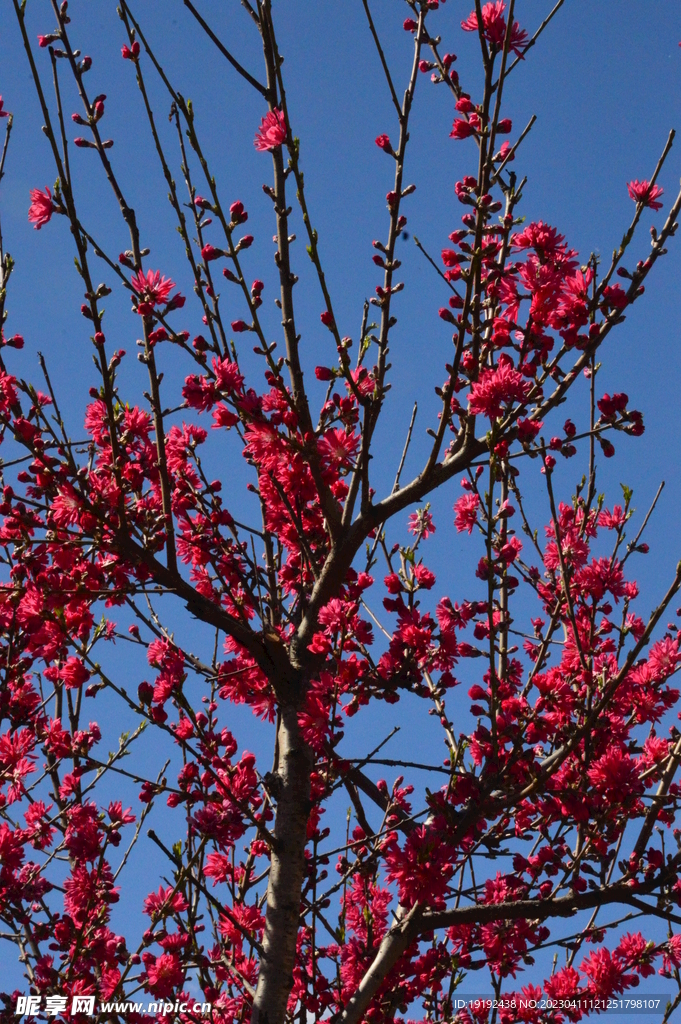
627, 492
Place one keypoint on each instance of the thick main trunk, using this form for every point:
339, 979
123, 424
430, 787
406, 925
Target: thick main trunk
286, 873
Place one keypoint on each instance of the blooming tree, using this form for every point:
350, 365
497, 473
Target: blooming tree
550, 825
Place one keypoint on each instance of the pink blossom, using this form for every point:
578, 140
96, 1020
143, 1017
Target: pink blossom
74, 673
3, 113
272, 131
164, 973
612, 520
605, 973
421, 523
528, 430
41, 209
646, 194
424, 577
164, 902
338, 448
154, 288
466, 509
495, 388
461, 129
494, 27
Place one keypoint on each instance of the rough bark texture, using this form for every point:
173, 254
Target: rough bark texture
292, 785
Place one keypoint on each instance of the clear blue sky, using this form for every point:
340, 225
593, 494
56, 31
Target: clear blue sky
605, 84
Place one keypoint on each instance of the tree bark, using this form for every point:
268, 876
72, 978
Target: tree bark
292, 785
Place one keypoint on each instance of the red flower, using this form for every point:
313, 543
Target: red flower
646, 194
3, 113
614, 297
338, 448
272, 131
420, 523
461, 129
164, 973
73, 673
154, 288
164, 902
497, 387
41, 209
424, 577
466, 509
494, 27
605, 973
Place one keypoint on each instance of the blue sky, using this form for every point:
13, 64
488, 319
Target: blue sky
605, 84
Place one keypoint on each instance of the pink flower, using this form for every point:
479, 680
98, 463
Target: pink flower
41, 209
615, 297
153, 287
424, 577
420, 523
338, 448
3, 113
272, 131
494, 27
645, 193
466, 509
614, 772
497, 387
164, 974
383, 142
612, 520
606, 974
74, 673
164, 902
461, 129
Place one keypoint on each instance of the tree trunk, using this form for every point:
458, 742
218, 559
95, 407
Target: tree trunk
292, 783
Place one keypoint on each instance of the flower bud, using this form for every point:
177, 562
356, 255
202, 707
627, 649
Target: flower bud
145, 692
383, 142
239, 215
210, 252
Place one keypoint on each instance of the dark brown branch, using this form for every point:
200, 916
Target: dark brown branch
225, 52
